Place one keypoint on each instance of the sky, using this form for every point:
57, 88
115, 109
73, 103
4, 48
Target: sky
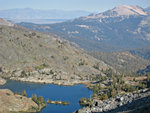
86, 5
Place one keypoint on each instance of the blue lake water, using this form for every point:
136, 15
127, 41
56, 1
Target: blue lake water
71, 94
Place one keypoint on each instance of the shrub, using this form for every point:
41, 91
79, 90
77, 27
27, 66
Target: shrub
52, 57
23, 74
104, 97
17, 93
51, 72
39, 100
141, 85
65, 57
113, 93
96, 66
128, 88
42, 66
81, 63
85, 101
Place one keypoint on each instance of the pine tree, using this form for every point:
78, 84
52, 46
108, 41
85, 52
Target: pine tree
34, 98
24, 93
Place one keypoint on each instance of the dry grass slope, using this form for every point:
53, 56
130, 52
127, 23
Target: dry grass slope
29, 51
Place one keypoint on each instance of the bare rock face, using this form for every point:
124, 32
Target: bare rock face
2, 81
10, 102
136, 102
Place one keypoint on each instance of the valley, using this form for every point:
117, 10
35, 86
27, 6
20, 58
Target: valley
97, 63
124, 61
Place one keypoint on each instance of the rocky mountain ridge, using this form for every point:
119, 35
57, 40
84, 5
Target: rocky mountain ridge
121, 28
122, 10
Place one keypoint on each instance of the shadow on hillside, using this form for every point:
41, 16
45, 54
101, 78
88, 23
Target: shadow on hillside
136, 106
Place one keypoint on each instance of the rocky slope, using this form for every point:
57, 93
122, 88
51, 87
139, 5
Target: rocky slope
5, 22
15, 103
38, 57
120, 28
137, 102
124, 62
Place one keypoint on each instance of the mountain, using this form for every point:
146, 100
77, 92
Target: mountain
122, 10
5, 22
120, 28
124, 61
28, 55
142, 52
39, 16
148, 10
130, 61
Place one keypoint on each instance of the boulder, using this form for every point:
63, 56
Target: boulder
2, 81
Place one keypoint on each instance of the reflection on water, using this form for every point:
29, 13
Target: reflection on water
53, 92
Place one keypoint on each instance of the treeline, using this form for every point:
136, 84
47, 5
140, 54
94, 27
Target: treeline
113, 84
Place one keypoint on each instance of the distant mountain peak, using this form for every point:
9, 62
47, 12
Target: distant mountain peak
129, 10
122, 10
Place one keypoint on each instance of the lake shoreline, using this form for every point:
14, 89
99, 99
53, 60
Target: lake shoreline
53, 92
17, 103
51, 81
126, 103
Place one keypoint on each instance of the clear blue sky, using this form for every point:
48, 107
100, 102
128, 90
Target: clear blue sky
87, 5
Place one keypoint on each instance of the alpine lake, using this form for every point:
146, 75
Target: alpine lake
71, 94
